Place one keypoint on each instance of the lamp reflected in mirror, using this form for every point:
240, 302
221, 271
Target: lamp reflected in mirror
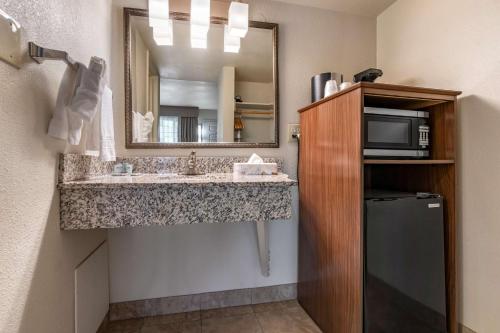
238, 127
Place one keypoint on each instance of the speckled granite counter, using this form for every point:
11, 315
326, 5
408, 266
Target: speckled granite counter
91, 199
145, 180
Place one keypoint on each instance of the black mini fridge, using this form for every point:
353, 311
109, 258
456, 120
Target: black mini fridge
404, 276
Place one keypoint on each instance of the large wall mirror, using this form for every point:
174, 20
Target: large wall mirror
180, 96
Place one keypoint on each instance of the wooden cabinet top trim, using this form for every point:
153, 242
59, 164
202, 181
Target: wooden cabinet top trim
382, 89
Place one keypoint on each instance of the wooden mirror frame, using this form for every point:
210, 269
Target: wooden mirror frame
127, 14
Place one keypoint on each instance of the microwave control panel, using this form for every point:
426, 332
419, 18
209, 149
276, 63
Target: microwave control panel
423, 131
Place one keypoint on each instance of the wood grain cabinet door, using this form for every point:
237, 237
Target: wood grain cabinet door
330, 230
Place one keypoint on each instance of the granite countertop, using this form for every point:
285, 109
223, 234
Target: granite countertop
91, 198
175, 180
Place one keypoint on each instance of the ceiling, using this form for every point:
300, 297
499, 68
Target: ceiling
357, 7
201, 94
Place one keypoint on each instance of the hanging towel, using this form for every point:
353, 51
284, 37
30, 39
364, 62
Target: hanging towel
100, 132
59, 124
142, 125
107, 147
93, 134
147, 126
135, 127
88, 93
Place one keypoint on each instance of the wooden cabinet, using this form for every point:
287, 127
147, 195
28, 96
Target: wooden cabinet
333, 176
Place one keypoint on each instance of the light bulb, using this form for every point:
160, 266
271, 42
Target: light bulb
199, 36
200, 13
163, 34
231, 43
238, 19
158, 9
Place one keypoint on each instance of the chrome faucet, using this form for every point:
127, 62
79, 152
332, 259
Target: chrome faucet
191, 168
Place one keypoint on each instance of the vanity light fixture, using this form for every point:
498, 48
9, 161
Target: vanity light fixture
200, 13
199, 36
158, 11
159, 24
164, 35
238, 19
231, 43
159, 20
200, 23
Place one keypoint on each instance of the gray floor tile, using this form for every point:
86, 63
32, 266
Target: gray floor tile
237, 324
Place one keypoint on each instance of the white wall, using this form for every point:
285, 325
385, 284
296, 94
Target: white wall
256, 92
202, 94
37, 259
151, 262
257, 129
92, 291
139, 73
225, 109
454, 44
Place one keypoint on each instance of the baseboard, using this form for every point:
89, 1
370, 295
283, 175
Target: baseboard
464, 329
205, 301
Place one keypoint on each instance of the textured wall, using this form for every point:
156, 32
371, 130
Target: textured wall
454, 44
156, 262
37, 260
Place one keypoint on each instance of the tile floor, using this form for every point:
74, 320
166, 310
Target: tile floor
278, 317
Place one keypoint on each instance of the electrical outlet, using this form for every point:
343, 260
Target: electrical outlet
293, 129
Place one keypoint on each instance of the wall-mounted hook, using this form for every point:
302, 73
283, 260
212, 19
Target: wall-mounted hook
10, 40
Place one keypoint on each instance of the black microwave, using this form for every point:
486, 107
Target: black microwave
397, 134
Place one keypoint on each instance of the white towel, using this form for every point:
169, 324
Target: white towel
147, 126
137, 123
135, 127
93, 134
107, 147
88, 93
142, 125
100, 132
60, 126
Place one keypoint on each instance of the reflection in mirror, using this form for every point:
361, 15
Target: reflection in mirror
180, 94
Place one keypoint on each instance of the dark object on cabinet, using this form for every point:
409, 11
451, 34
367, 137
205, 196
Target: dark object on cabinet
404, 280
369, 75
333, 178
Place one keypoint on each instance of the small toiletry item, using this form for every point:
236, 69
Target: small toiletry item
330, 88
345, 85
118, 168
128, 168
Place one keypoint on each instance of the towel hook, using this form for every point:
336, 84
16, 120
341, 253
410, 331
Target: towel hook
40, 54
14, 25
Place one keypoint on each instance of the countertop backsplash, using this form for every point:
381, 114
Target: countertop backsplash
77, 167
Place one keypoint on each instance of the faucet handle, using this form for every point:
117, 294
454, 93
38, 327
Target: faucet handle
191, 163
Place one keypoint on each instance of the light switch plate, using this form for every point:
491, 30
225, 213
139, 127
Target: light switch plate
293, 129
10, 43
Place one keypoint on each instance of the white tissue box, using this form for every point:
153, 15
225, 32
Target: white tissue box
255, 169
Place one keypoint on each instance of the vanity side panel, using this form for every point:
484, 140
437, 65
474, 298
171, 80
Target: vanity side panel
330, 230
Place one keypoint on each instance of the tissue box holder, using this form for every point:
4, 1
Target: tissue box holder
255, 169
